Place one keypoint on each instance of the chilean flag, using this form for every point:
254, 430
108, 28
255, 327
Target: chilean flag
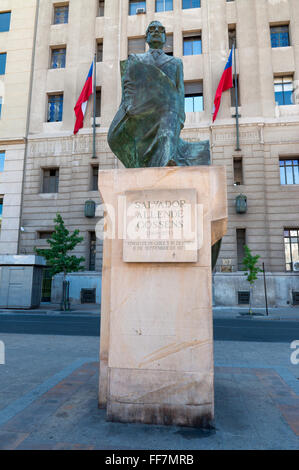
81, 104
225, 83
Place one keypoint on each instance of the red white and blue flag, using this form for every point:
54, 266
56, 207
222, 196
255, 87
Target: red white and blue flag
225, 83
81, 104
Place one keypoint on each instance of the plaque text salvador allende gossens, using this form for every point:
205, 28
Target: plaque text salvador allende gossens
162, 226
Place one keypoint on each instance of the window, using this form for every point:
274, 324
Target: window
280, 36
58, 58
232, 36
5, 21
241, 242
238, 171
136, 46
2, 160
100, 50
283, 89
55, 108
136, 6
164, 5
291, 247
98, 102
44, 235
94, 177
92, 251
194, 97
61, 14
190, 4
192, 44
289, 171
101, 11
168, 46
1, 209
2, 63
233, 93
50, 180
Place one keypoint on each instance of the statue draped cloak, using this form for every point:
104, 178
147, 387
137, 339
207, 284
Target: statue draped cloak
149, 135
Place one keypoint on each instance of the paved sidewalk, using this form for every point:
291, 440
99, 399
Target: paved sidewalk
48, 399
54, 309
277, 313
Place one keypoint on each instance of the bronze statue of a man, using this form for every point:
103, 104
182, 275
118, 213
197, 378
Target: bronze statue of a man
146, 129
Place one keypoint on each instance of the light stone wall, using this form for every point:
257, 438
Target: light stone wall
266, 131
14, 90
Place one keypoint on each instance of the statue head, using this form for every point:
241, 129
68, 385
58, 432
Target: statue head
155, 35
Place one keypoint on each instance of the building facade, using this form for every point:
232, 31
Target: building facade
263, 167
17, 28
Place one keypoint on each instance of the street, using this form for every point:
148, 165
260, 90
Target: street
238, 329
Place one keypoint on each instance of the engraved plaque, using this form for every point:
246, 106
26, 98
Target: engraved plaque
162, 226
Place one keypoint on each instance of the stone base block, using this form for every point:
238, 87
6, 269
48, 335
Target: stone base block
179, 415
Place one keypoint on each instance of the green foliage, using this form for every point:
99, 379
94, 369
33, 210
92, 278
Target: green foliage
61, 242
250, 265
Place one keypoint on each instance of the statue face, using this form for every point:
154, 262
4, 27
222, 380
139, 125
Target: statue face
156, 36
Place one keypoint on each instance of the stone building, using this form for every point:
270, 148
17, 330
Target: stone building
60, 169
17, 27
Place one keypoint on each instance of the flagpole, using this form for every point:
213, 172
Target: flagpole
94, 155
236, 99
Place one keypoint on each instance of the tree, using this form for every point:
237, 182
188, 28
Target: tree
61, 243
250, 265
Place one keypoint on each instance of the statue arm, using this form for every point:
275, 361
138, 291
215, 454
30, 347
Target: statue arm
181, 90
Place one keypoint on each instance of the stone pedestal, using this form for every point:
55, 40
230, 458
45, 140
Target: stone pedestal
156, 348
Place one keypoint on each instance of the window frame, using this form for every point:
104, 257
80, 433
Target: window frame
285, 174
194, 94
9, 21
94, 178
278, 35
140, 43
282, 80
191, 6
3, 54
232, 28
233, 93
164, 4
238, 171
192, 37
92, 251
101, 9
57, 6
49, 96
56, 183
289, 237
240, 252
98, 102
133, 2
40, 234
99, 42
2, 161
53, 50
